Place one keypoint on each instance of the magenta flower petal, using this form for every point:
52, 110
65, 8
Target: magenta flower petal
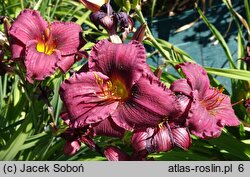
201, 123
184, 103
141, 139
108, 128
115, 154
163, 140
182, 138
17, 49
39, 65
66, 62
119, 60
67, 37
181, 86
207, 117
150, 103
70, 148
222, 109
196, 77
81, 96
29, 25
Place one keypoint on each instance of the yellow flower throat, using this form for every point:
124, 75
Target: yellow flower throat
113, 89
46, 44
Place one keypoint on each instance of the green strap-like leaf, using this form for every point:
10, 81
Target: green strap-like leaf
15, 143
230, 73
219, 37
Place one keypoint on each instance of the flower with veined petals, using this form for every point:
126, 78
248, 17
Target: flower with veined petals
210, 110
118, 85
93, 5
160, 139
43, 46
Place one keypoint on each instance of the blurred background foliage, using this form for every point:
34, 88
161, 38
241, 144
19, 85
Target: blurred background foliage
25, 116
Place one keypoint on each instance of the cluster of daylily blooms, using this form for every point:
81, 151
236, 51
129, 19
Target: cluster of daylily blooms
116, 91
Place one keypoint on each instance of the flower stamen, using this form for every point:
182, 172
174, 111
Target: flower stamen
162, 124
114, 90
213, 101
46, 44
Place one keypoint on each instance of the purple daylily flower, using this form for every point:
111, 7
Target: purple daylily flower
119, 85
209, 109
44, 46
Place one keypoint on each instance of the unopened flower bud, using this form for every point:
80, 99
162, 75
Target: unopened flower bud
158, 72
115, 154
93, 5
153, 140
140, 33
182, 138
139, 139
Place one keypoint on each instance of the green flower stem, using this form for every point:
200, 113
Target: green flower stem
158, 46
